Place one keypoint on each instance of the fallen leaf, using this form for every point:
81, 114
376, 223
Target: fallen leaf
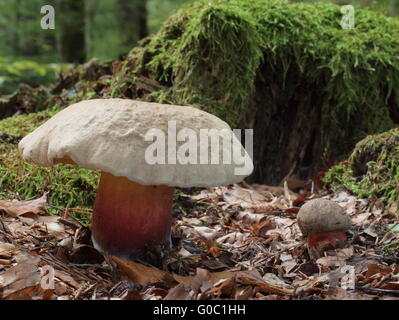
375, 269
141, 274
244, 293
227, 287
269, 288
17, 208
337, 260
288, 263
192, 221
249, 217
66, 278
25, 274
184, 253
390, 285
5, 262
342, 294
6, 250
206, 233
202, 282
178, 293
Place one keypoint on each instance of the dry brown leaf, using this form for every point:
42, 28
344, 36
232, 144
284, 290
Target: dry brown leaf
205, 232
178, 293
25, 274
244, 293
276, 191
184, 253
66, 278
31, 293
17, 208
52, 226
337, 260
256, 198
61, 288
390, 285
227, 287
312, 283
267, 284
141, 274
342, 294
202, 282
251, 218
212, 277
373, 269
268, 288
6, 250
234, 238
288, 262
192, 221
5, 262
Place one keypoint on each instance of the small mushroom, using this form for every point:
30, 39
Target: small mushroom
133, 209
324, 223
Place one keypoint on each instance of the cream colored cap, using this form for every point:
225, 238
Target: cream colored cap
112, 135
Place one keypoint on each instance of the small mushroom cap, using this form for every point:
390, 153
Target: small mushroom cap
111, 135
321, 215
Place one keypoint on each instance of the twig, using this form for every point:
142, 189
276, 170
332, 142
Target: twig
378, 290
69, 223
6, 232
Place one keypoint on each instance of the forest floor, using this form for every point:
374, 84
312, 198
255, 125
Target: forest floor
231, 242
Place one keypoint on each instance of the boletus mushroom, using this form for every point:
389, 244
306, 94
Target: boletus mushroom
143, 150
324, 223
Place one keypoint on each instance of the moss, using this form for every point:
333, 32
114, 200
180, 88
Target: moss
372, 170
391, 249
210, 53
68, 186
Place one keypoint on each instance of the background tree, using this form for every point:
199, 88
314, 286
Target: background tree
16, 23
393, 7
71, 15
132, 22
97, 28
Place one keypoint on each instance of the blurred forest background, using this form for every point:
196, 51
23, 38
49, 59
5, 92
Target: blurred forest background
103, 29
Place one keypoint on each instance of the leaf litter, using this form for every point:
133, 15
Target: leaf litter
231, 242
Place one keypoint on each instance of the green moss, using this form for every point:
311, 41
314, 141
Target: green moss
29, 72
391, 249
210, 54
372, 170
68, 186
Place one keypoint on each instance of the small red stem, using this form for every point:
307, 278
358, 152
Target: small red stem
320, 242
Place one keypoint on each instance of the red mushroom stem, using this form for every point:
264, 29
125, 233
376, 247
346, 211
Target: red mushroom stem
130, 218
320, 242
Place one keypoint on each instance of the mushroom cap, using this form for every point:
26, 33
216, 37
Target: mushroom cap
110, 135
321, 215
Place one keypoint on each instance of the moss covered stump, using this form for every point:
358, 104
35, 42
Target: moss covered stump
309, 88
372, 170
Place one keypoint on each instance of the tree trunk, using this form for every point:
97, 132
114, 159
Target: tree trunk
72, 38
91, 13
393, 7
287, 131
132, 22
16, 29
